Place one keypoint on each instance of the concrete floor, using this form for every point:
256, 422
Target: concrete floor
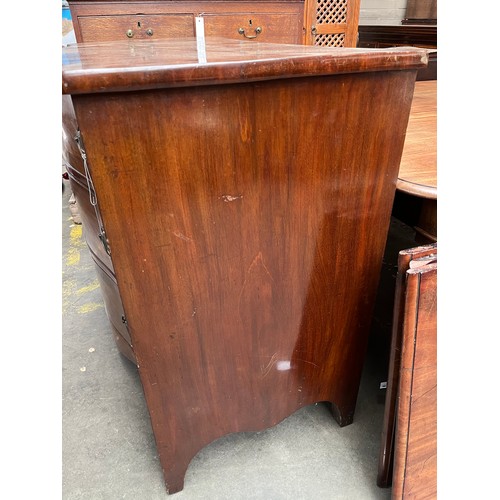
108, 445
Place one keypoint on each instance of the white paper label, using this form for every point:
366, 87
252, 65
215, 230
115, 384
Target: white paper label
200, 40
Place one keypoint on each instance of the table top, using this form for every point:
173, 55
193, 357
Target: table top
150, 64
418, 170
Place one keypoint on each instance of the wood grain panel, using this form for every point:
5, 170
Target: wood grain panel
415, 459
410, 258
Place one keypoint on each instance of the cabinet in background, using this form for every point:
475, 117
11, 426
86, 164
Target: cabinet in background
332, 23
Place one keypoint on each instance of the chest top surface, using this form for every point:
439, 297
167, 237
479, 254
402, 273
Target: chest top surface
135, 65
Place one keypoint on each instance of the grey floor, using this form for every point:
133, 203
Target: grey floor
108, 446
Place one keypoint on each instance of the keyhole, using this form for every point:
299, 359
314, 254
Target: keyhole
250, 22
139, 24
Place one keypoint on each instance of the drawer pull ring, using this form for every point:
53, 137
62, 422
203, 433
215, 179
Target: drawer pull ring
130, 33
257, 30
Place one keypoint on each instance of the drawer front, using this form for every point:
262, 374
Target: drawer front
91, 229
262, 27
134, 27
112, 301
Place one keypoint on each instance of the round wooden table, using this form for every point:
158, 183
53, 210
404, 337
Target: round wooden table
418, 170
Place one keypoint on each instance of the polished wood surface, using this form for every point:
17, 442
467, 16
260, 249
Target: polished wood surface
415, 454
418, 170
247, 221
143, 64
411, 258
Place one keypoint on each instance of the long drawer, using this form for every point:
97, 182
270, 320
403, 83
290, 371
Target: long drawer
264, 27
113, 305
140, 26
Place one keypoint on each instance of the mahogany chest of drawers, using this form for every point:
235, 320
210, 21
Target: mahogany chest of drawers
245, 196
326, 22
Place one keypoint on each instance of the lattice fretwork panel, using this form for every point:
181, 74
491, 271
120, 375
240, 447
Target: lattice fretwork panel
334, 40
331, 11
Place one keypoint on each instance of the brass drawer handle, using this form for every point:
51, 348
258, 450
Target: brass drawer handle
257, 30
130, 33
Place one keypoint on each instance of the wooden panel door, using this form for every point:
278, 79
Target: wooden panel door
331, 23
